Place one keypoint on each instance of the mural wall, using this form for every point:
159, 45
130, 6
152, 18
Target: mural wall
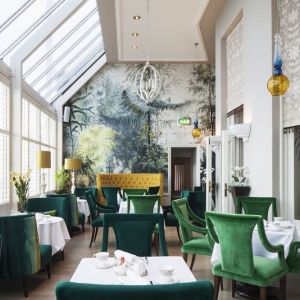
119, 132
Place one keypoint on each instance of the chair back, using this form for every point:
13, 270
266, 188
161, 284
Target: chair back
257, 206
20, 246
143, 204
133, 232
91, 203
234, 234
198, 188
181, 212
59, 204
197, 290
80, 191
111, 195
197, 202
153, 190
127, 192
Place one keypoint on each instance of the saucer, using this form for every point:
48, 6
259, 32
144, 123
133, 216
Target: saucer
163, 280
103, 265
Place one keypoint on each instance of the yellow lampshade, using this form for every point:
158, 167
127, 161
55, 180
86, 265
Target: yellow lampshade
278, 84
72, 163
43, 159
196, 133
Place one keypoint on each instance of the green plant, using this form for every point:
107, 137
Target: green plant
86, 175
62, 180
21, 183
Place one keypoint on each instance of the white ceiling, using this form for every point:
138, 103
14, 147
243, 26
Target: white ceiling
174, 30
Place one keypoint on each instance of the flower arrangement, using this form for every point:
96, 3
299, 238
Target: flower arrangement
238, 177
203, 174
21, 183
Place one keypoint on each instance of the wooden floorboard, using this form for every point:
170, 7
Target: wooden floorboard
42, 288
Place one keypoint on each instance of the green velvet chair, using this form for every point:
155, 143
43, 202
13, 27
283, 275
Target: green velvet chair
198, 188
21, 254
72, 209
196, 201
153, 190
187, 219
257, 206
96, 216
198, 290
293, 259
137, 192
80, 191
234, 234
111, 195
133, 232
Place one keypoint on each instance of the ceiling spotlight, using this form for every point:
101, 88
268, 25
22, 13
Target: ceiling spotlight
134, 47
136, 17
135, 34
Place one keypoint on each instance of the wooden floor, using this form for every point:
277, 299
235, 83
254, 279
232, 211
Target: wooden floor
40, 287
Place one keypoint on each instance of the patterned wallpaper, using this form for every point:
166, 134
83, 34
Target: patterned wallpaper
289, 14
235, 67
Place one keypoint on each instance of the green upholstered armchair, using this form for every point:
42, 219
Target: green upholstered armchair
95, 213
133, 232
293, 259
196, 201
72, 209
127, 192
111, 195
256, 206
80, 191
21, 253
187, 220
198, 290
153, 190
234, 234
59, 204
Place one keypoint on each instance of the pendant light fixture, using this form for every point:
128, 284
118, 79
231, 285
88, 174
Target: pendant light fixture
147, 78
278, 82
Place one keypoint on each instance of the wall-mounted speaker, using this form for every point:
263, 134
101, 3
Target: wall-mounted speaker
67, 111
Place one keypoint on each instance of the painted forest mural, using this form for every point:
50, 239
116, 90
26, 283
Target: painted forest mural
116, 131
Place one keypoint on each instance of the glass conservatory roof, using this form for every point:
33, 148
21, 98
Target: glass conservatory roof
63, 56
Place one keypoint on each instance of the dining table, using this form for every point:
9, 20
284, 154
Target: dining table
83, 208
89, 272
52, 231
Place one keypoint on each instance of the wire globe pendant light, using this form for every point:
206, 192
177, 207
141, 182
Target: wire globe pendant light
147, 78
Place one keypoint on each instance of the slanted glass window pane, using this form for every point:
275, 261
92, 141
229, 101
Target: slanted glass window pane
4, 105
16, 33
8, 8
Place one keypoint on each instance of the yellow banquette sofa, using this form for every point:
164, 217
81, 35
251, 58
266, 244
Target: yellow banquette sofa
129, 180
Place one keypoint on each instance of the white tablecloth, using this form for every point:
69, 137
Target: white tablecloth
123, 208
83, 208
54, 232
283, 237
86, 272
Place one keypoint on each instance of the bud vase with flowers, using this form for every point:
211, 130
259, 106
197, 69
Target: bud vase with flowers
21, 183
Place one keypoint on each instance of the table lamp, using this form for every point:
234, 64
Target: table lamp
72, 164
43, 161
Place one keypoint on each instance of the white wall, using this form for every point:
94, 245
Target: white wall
261, 153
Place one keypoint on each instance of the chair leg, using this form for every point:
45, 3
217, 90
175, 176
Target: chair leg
156, 243
282, 288
96, 233
25, 288
221, 284
82, 225
193, 260
216, 286
93, 233
263, 293
185, 256
62, 253
233, 289
89, 220
48, 270
177, 228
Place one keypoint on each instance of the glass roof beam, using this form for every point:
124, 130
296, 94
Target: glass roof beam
15, 15
31, 28
47, 55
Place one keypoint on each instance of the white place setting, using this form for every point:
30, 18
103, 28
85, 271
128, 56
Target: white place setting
52, 231
277, 232
126, 268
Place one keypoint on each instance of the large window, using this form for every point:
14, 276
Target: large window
38, 133
4, 143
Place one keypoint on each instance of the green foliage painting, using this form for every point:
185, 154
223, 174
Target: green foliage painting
119, 132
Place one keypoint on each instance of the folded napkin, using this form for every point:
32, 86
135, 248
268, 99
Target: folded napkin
131, 258
131, 278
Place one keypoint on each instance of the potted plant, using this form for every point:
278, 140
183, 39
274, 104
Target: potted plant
62, 181
21, 183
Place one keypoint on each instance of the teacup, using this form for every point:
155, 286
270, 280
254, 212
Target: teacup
101, 256
166, 271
